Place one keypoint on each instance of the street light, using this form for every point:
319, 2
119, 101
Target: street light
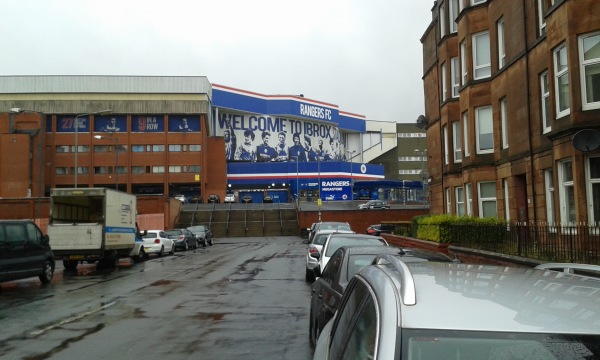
76, 124
422, 154
297, 177
116, 156
351, 152
42, 132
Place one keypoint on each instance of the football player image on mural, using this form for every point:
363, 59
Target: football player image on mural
296, 152
263, 151
230, 142
245, 151
311, 154
281, 147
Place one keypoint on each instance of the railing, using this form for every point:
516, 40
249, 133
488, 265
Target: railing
565, 243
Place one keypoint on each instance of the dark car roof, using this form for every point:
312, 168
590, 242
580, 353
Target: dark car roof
403, 253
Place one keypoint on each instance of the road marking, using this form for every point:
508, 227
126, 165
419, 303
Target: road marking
73, 318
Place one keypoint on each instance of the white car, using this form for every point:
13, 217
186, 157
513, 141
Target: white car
336, 240
229, 198
315, 246
158, 242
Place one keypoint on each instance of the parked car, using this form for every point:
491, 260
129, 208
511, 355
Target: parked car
181, 198
229, 198
214, 198
327, 291
247, 199
378, 229
195, 199
267, 200
315, 246
433, 310
203, 234
374, 204
183, 239
24, 252
327, 225
158, 242
337, 240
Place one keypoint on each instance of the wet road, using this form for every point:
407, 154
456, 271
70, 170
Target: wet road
243, 298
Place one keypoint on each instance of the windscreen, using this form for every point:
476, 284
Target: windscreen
336, 242
440, 344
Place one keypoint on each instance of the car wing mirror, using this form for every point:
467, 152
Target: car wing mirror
45, 240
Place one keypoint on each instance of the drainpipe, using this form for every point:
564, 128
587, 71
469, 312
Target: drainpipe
532, 168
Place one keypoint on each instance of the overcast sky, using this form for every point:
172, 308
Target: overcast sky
363, 55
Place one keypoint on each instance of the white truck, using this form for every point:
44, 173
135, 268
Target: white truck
93, 224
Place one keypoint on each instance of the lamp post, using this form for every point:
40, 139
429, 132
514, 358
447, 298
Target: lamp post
42, 132
351, 152
116, 157
76, 125
297, 181
422, 154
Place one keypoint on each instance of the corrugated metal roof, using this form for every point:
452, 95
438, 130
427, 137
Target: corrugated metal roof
105, 84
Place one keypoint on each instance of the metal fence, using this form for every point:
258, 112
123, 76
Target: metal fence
557, 243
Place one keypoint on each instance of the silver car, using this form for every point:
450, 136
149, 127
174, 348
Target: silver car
427, 310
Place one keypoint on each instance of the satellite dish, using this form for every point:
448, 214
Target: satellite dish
421, 122
586, 140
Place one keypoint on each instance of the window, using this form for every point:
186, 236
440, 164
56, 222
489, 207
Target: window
137, 148
446, 155
463, 61
61, 171
541, 16
83, 170
460, 201
195, 148
100, 170
484, 127
549, 184
593, 181
487, 199
456, 141
465, 117
158, 148
589, 57
174, 148
442, 17
62, 148
347, 324
455, 76
121, 169
101, 148
545, 102
174, 168
158, 169
501, 47
503, 123
506, 204
452, 15
482, 67
194, 168
81, 148
475, 2
448, 202
469, 199
566, 192
444, 83
138, 170
561, 81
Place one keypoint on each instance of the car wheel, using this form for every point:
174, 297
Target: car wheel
172, 249
210, 242
161, 252
46, 275
70, 264
141, 256
185, 246
195, 244
310, 276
